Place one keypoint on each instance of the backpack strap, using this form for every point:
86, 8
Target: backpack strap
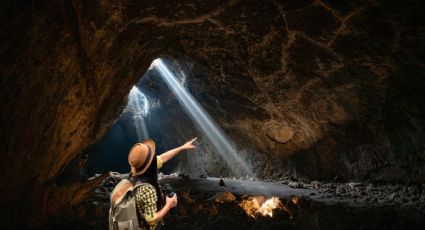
136, 183
129, 176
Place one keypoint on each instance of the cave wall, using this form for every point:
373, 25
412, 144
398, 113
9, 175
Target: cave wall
335, 88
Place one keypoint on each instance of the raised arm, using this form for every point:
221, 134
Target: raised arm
173, 152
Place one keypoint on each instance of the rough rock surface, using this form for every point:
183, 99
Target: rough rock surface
334, 87
327, 205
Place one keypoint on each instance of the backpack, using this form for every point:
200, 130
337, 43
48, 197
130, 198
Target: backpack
123, 211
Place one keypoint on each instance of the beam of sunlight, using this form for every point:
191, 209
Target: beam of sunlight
138, 105
204, 121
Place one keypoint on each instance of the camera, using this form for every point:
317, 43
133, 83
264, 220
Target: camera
168, 190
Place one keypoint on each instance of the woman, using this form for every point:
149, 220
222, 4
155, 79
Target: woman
144, 175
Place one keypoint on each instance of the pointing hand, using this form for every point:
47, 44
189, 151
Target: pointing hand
189, 144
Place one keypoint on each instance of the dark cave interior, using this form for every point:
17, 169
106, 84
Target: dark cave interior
323, 100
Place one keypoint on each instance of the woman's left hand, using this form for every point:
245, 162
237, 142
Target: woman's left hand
189, 144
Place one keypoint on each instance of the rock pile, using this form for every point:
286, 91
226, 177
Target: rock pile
367, 194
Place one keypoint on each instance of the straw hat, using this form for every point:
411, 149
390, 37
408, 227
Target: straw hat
140, 156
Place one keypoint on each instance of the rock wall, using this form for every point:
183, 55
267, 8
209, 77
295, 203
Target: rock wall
333, 87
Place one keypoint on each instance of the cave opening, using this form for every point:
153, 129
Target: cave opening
161, 107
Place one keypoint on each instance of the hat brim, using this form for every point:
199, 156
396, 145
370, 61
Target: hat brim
151, 144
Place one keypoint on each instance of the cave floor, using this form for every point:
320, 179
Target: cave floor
241, 187
351, 194
319, 205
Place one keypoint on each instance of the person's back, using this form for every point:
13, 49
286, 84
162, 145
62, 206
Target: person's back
146, 203
141, 195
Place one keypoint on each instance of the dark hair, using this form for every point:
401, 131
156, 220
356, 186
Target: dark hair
151, 177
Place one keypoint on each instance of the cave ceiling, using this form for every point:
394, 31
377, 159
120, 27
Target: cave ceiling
335, 87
